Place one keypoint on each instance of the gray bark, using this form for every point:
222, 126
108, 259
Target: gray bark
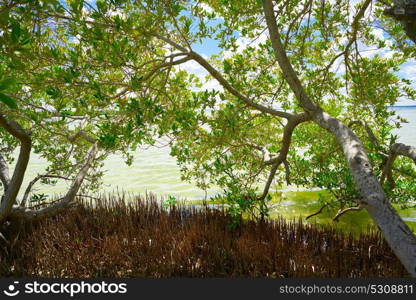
404, 150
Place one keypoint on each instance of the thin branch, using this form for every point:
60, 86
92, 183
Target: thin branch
33, 182
316, 213
83, 134
396, 150
9, 197
287, 171
286, 141
404, 150
217, 75
170, 42
343, 211
370, 133
156, 69
354, 25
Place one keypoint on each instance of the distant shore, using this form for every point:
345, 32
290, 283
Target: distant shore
402, 106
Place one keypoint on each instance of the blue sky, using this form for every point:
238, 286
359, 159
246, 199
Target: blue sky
208, 47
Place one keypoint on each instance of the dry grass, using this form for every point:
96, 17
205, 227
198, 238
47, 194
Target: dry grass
117, 238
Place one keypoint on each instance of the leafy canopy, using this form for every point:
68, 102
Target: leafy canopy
114, 69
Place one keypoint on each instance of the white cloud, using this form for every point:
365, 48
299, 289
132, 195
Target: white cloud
409, 70
244, 42
212, 84
206, 8
194, 68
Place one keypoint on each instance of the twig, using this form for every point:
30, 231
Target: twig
343, 211
318, 212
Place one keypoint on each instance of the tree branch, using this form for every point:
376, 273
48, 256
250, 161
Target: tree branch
286, 141
404, 11
370, 133
84, 135
67, 200
396, 150
343, 211
32, 183
15, 183
354, 25
217, 75
4, 173
287, 171
316, 213
404, 150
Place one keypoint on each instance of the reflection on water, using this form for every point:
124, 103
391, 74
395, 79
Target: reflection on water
155, 171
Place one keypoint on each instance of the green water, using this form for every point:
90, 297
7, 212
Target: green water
153, 170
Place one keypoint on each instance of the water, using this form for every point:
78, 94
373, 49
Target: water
153, 170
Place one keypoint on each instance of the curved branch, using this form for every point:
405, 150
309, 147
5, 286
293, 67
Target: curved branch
217, 75
404, 150
344, 211
286, 141
396, 150
33, 182
15, 183
316, 213
67, 200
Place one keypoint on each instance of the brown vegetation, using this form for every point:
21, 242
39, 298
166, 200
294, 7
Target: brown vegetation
139, 238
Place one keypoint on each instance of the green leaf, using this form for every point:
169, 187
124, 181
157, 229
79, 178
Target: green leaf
16, 31
135, 82
4, 16
6, 83
9, 101
227, 66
